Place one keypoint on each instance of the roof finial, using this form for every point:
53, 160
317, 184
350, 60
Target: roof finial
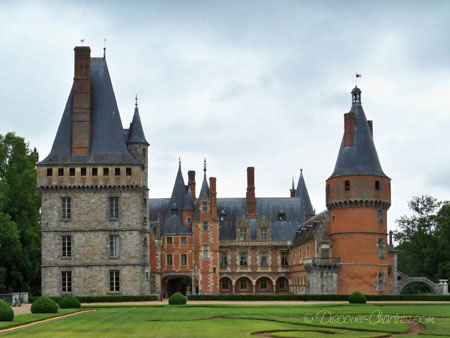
301, 171
293, 187
179, 161
356, 79
136, 103
204, 166
104, 48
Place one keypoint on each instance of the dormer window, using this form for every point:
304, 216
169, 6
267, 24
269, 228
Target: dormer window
243, 234
281, 215
347, 185
204, 207
223, 216
174, 212
263, 234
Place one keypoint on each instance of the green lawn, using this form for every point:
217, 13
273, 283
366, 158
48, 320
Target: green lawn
338, 320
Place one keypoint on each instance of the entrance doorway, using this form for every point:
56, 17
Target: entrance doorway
177, 284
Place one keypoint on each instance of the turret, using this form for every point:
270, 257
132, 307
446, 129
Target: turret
358, 197
302, 193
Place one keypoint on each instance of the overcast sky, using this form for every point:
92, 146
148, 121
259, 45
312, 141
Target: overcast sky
246, 83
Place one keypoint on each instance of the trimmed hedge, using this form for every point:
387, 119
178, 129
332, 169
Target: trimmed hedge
44, 305
69, 302
6, 312
357, 298
106, 299
177, 299
287, 297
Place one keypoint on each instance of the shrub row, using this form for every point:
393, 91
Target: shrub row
287, 297
105, 299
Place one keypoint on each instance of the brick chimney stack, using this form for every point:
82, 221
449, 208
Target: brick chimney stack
81, 101
251, 199
349, 125
213, 195
191, 183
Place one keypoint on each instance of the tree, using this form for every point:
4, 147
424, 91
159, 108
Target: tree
20, 200
424, 239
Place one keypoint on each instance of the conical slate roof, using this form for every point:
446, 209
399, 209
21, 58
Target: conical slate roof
189, 201
136, 132
302, 193
360, 158
107, 143
204, 190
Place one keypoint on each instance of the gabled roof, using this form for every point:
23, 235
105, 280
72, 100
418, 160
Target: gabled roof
107, 144
360, 158
302, 194
136, 132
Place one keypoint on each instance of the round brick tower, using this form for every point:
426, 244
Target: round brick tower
358, 195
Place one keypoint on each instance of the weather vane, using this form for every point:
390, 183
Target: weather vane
356, 78
136, 104
82, 42
104, 48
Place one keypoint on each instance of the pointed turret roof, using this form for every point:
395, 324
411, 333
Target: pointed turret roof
107, 144
359, 158
204, 190
136, 132
302, 193
189, 201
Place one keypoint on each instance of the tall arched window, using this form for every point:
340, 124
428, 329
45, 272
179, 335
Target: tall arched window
377, 185
347, 185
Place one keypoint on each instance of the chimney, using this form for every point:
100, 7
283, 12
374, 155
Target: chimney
81, 101
390, 237
349, 125
191, 183
251, 200
370, 122
292, 190
213, 196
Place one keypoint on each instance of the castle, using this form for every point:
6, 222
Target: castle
101, 234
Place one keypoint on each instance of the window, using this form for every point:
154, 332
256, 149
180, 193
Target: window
188, 220
114, 280
114, 246
169, 240
223, 259
284, 258
263, 284
205, 207
243, 259
264, 259
105, 171
225, 284
83, 171
281, 284
174, 212
147, 275
94, 171
377, 185
66, 208
183, 240
169, 260
143, 151
72, 171
144, 202
114, 208
380, 281
328, 189
347, 185
66, 281
183, 259
61, 172
66, 246
380, 216
380, 247
263, 234
223, 216
324, 253
205, 226
243, 234
128, 171
281, 216
117, 171
205, 251
49, 172
243, 285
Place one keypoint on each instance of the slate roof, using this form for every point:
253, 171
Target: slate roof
302, 193
306, 233
107, 144
136, 132
360, 158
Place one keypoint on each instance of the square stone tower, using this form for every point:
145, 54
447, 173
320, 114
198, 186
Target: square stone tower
94, 193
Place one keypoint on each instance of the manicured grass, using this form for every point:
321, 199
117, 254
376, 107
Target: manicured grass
369, 320
22, 319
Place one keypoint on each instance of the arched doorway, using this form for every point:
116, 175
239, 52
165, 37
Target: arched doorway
244, 285
172, 284
264, 285
225, 285
282, 285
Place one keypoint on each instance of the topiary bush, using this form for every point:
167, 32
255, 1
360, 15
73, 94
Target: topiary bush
6, 312
357, 298
177, 299
69, 302
44, 305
